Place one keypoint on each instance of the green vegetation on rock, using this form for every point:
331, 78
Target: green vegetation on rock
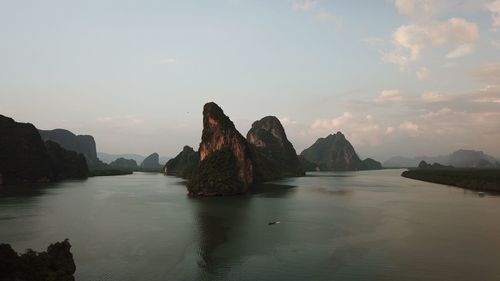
335, 153
123, 163
273, 155
56, 264
184, 164
469, 178
217, 174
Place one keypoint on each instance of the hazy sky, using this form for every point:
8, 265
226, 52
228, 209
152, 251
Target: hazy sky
404, 77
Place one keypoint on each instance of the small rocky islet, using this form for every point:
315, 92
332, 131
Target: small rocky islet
56, 263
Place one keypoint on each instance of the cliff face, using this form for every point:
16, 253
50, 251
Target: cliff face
335, 153
184, 164
225, 159
83, 144
124, 163
23, 157
151, 162
55, 264
66, 164
274, 155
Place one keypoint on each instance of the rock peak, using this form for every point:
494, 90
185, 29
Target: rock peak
222, 148
273, 152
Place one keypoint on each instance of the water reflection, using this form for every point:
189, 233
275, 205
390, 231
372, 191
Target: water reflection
218, 221
331, 192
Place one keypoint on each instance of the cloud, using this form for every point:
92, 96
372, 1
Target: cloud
425, 31
487, 73
361, 130
167, 61
494, 8
433, 97
331, 124
305, 5
460, 51
416, 9
287, 121
410, 128
423, 73
413, 39
389, 96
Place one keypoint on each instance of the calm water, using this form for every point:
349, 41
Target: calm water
334, 226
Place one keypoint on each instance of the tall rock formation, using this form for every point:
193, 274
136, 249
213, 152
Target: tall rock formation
83, 144
273, 154
225, 159
184, 164
151, 162
335, 153
23, 157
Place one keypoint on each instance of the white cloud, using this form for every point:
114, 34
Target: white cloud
168, 61
410, 128
417, 9
389, 96
432, 97
287, 121
423, 73
414, 38
425, 32
305, 5
494, 8
488, 73
362, 131
460, 51
332, 124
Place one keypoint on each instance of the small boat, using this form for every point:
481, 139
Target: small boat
273, 222
481, 194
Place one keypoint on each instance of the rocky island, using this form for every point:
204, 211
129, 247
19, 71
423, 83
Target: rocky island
225, 166
151, 162
228, 163
183, 164
336, 153
55, 264
122, 163
274, 155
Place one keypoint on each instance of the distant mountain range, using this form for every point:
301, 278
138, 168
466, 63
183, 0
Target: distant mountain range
108, 158
461, 159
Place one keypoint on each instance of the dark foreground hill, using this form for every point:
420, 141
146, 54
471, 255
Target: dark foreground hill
24, 157
55, 264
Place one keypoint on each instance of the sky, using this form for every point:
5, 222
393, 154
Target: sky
403, 77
